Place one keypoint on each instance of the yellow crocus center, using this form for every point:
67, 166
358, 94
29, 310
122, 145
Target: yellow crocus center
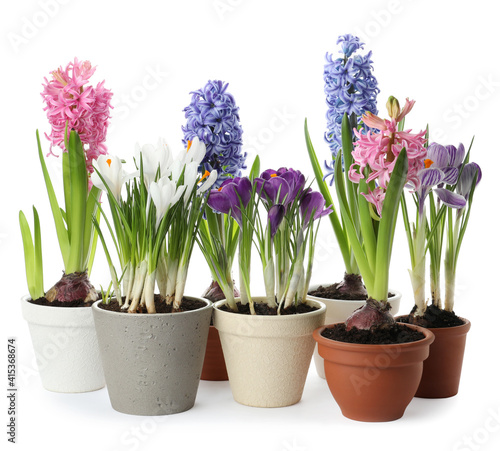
109, 162
205, 175
428, 162
274, 175
189, 145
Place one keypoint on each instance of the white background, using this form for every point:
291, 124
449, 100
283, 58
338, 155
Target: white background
442, 54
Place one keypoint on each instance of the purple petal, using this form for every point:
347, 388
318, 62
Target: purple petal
244, 189
450, 199
431, 176
275, 216
277, 189
438, 154
450, 175
464, 183
312, 203
219, 201
456, 155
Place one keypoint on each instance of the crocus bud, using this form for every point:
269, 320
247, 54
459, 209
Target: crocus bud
393, 107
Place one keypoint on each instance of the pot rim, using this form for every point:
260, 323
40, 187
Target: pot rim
322, 308
208, 305
356, 347
397, 296
446, 330
26, 298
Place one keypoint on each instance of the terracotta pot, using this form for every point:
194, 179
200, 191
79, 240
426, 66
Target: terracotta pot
65, 344
373, 382
214, 366
442, 370
267, 357
152, 362
338, 310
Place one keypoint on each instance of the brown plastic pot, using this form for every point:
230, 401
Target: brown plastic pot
442, 370
373, 382
214, 366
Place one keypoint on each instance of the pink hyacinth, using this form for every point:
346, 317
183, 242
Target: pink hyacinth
379, 151
69, 100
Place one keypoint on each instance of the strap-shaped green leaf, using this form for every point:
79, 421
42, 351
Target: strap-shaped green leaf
387, 225
352, 233
62, 233
78, 196
324, 190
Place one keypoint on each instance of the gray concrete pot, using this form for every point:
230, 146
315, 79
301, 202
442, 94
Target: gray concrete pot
152, 362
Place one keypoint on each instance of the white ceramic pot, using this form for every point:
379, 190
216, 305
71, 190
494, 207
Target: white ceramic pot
267, 357
65, 345
337, 311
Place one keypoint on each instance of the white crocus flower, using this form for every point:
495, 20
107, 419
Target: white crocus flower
212, 178
152, 158
190, 177
111, 170
164, 193
195, 151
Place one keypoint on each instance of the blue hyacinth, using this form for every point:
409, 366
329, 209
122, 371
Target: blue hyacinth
213, 116
350, 88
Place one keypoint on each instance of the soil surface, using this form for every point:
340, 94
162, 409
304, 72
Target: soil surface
160, 306
264, 309
75, 303
393, 334
433, 318
331, 292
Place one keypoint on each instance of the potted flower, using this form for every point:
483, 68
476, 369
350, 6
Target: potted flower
351, 89
78, 114
212, 117
372, 364
152, 345
268, 338
453, 180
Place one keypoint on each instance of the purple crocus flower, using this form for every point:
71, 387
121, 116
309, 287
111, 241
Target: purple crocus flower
312, 207
233, 195
281, 186
464, 184
274, 216
441, 167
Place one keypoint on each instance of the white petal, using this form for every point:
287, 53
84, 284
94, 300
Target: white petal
212, 178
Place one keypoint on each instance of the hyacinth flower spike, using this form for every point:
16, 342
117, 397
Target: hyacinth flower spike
383, 163
78, 114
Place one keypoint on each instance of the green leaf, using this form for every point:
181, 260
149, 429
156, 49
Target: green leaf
352, 233
78, 197
62, 233
38, 262
387, 225
255, 170
324, 190
89, 237
32, 255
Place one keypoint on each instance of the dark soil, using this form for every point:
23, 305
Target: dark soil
160, 306
75, 303
433, 318
393, 334
264, 309
331, 292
